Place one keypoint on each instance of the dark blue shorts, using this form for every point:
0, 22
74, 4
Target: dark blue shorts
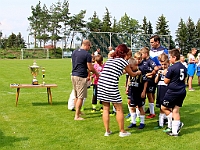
136, 100
174, 98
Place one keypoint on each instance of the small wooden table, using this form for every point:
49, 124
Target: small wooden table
48, 86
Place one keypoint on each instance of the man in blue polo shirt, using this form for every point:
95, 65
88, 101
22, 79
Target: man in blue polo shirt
155, 51
81, 64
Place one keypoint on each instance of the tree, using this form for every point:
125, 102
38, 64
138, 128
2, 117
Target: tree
106, 25
55, 23
35, 21
191, 34
198, 33
162, 29
150, 28
65, 20
145, 26
19, 43
181, 36
45, 22
95, 23
77, 23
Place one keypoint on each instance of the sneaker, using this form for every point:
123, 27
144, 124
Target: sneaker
101, 109
150, 116
123, 134
167, 129
171, 134
108, 133
129, 119
113, 114
93, 110
132, 125
180, 127
128, 116
137, 119
147, 111
158, 127
141, 126
191, 89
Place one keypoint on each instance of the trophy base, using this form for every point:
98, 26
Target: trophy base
35, 83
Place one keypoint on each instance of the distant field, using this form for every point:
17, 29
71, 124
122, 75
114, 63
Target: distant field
34, 124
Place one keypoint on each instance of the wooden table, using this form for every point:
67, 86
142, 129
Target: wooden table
48, 86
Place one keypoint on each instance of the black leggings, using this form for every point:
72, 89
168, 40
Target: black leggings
94, 98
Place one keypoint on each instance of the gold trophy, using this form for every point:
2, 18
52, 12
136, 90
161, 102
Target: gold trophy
34, 71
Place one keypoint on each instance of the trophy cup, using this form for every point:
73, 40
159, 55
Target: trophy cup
34, 71
43, 75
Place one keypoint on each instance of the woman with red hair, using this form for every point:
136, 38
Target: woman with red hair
108, 91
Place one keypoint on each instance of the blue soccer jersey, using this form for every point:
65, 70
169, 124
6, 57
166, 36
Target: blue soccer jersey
177, 74
147, 65
155, 52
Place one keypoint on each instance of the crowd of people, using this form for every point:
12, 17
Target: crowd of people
156, 73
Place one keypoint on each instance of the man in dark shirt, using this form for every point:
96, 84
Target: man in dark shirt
81, 63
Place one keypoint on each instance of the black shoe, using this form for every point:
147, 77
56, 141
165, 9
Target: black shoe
132, 125
73, 109
180, 127
147, 111
171, 134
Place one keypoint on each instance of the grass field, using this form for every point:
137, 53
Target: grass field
36, 125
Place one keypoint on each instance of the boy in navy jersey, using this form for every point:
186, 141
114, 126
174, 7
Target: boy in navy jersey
137, 93
150, 68
161, 87
175, 95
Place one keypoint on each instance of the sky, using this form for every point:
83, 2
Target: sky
14, 13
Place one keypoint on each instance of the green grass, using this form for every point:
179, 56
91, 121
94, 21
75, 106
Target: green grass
34, 124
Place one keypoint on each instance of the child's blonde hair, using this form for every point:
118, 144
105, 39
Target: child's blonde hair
132, 61
145, 50
163, 58
138, 55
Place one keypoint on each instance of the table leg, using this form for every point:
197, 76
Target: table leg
49, 95
17, 95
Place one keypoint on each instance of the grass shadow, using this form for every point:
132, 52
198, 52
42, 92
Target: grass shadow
46, 103
9, 140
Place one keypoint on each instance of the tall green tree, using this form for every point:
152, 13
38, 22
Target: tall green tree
150, 28
65, 20
77, 23
55, 22
191, 34
198, 33
35, 21
106, 25
144, 26
181, 36
162, 29
45, 23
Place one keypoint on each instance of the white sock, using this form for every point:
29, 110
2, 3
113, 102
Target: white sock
114, 110
151, 108
142, 117
175, 125
161, 119
83, 101
137, 112
169, 117
129, 109
143, 107
133, 117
